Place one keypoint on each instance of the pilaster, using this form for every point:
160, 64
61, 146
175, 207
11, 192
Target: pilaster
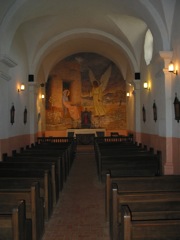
33, 118
137, 112
168, 116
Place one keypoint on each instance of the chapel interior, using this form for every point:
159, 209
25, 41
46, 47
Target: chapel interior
88, 69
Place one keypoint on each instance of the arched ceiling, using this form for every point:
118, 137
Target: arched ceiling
52, 30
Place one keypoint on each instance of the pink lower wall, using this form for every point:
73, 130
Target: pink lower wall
176, 155
14, 143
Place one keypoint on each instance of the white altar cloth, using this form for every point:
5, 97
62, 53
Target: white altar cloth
86, 131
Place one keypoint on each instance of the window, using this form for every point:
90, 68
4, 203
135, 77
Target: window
148, 47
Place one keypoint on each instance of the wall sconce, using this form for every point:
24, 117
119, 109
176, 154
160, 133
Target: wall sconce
154, 111
171, 68
12, 114
144, 114
22, 87
146, 86
127, 94
176, 108
25, 115
42, 96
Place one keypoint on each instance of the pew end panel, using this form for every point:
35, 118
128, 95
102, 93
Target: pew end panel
164, 229
34, 206
13, 222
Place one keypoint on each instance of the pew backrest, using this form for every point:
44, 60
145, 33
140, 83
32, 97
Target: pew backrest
34, 205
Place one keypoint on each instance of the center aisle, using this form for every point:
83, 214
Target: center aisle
80, 211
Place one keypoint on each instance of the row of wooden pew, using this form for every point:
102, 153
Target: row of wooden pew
125, 158
140, 205
30, 184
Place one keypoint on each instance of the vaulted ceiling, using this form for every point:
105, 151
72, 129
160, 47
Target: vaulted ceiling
50, 30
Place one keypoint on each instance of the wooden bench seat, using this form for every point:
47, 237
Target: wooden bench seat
38, 159
53, 146
64, 161
67, 149
116, 148
165, 228
13, 222
149, 201
70, 145
40, 176
31, 166
34, 205
140, 184
144, 165
116, 139
125, 159
55, 140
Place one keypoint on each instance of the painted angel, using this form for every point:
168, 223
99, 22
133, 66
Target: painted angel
98, 88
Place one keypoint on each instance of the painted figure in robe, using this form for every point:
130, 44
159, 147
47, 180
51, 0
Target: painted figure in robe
72, 109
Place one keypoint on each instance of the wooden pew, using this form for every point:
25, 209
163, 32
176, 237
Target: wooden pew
53, 140
114, 139
68, 149
115, 155
64, 161
31, 166
151, 201
39, 159
34, 205
40, 176
61, 143
13, 222
98, 147
140, 165
139, 184
44, 153
164, 228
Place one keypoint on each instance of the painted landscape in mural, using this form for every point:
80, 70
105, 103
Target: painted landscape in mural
85, 90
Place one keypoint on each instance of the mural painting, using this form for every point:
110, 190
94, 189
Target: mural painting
85, 90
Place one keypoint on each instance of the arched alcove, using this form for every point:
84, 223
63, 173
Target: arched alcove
76, 73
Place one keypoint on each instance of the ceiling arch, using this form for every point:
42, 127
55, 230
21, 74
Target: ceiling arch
84, 40
119, 25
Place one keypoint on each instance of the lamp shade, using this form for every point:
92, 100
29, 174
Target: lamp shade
145, 85
171, 67
22, 87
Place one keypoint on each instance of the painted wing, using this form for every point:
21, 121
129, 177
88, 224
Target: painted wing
105, 78
91, 76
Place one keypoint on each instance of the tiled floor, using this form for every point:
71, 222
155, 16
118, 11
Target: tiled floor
80, 212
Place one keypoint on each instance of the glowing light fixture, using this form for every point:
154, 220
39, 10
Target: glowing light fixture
146, 85
171, 68
22, 87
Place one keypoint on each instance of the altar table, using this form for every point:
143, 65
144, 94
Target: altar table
86, 135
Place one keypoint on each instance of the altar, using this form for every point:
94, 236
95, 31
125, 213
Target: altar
86, 135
